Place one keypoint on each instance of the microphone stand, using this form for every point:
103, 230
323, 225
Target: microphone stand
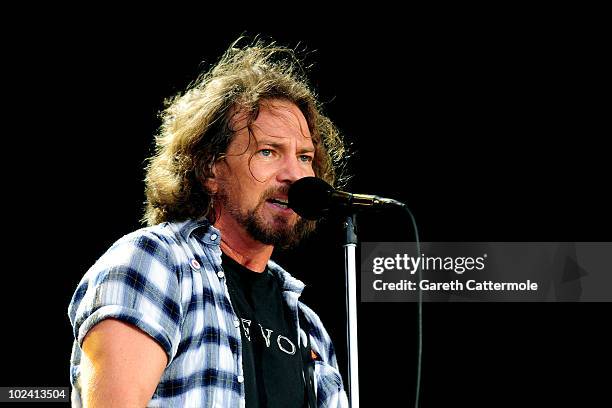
350, 275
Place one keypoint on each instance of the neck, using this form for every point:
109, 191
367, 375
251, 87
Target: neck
238, 245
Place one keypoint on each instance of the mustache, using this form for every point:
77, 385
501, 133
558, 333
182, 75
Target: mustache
274, 192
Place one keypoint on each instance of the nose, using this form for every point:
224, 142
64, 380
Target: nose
293, 170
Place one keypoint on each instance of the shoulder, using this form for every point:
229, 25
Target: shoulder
151, 246
149, 239
147, 255
137, 281
163, 243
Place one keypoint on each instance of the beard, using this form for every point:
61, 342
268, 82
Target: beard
279, 233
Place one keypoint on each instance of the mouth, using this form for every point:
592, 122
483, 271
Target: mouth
280, 203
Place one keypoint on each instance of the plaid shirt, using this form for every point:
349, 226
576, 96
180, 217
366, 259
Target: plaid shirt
168, 281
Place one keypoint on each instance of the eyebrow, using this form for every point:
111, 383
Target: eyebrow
277, 145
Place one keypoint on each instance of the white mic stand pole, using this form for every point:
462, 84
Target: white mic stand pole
350, 270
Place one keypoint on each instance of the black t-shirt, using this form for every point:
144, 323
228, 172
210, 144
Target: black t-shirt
271, 358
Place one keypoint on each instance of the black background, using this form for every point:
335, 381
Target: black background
490, 129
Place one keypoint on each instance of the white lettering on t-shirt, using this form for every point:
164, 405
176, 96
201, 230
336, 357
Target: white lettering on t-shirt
278, 341
246, 324
266, 338
284, 343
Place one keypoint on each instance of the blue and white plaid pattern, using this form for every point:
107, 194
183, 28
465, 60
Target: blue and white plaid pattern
168, 281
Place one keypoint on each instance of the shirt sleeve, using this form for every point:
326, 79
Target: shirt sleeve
135, 281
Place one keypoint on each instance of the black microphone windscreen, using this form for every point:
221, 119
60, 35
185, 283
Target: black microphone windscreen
310, 197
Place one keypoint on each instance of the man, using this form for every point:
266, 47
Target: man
191, 311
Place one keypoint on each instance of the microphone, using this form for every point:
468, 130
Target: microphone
313, 198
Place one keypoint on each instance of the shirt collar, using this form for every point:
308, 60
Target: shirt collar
203, 230
287, 282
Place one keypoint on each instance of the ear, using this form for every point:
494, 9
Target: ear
210, 183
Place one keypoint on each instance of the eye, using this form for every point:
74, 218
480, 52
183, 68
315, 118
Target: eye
305, 158
265, 152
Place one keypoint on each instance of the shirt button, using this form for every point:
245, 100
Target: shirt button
195, 264
236, 323
213, 237
240, 379
220, 274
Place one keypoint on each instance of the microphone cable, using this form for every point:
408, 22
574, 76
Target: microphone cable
420, 307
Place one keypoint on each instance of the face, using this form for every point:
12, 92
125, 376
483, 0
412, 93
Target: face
262, 161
